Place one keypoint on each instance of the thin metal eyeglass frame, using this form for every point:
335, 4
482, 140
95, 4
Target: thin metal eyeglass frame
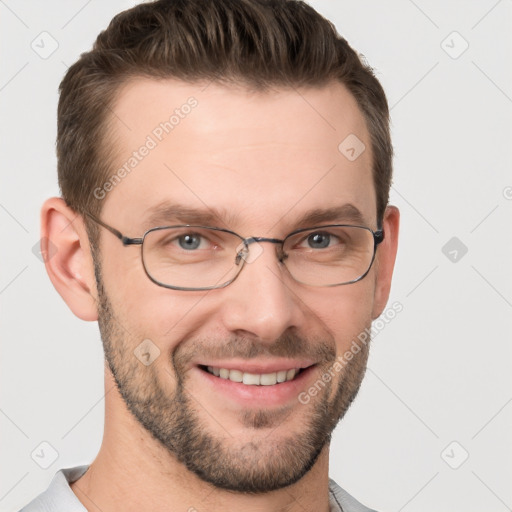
378, 237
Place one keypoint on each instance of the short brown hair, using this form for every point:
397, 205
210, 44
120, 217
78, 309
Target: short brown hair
258, 43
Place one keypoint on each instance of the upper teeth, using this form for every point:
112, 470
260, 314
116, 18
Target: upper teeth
254, 379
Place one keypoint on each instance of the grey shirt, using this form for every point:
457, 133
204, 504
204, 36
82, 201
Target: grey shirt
60, 498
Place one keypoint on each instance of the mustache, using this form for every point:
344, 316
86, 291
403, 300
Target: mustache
290, 344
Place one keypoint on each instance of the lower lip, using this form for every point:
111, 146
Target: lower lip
274, 395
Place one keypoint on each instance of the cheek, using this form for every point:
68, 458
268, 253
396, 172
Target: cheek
345, 311
141, 307
145, 310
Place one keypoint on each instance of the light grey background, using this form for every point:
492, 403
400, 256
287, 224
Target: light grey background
439, 373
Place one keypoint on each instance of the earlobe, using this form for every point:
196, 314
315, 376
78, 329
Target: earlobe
386, 255
67, 256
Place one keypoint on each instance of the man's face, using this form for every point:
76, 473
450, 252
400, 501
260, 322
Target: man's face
256, 163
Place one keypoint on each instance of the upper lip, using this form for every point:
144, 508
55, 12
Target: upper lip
258, 366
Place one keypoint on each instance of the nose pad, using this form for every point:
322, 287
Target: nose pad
281, 255
248, 250
250, 254
242, 253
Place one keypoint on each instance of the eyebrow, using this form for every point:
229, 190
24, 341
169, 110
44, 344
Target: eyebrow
338, 214
165, 214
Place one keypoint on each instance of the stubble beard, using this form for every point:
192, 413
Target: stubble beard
258, 465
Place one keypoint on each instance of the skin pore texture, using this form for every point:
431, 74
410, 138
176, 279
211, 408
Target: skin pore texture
174, 439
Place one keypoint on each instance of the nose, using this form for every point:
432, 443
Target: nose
262, 301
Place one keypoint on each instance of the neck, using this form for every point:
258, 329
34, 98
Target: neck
134, 472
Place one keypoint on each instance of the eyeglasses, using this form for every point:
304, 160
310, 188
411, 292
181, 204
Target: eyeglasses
192, 258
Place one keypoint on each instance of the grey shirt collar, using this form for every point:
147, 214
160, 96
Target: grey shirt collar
60, 498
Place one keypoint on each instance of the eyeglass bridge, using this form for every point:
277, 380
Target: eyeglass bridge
257, 239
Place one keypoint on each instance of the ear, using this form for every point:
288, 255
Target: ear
385, 260
68, 259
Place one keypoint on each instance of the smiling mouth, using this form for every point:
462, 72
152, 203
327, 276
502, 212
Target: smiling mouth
253, 379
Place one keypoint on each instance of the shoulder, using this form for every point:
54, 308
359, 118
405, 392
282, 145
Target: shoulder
59, 497
342, 501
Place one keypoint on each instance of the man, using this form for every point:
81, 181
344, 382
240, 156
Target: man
225, 169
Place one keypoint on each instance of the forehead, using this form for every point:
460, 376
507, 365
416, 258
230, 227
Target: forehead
267, 156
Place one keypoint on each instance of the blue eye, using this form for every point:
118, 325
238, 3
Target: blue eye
189, 242
319, 240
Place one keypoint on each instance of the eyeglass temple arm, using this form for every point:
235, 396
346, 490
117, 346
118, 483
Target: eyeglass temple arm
124, 239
